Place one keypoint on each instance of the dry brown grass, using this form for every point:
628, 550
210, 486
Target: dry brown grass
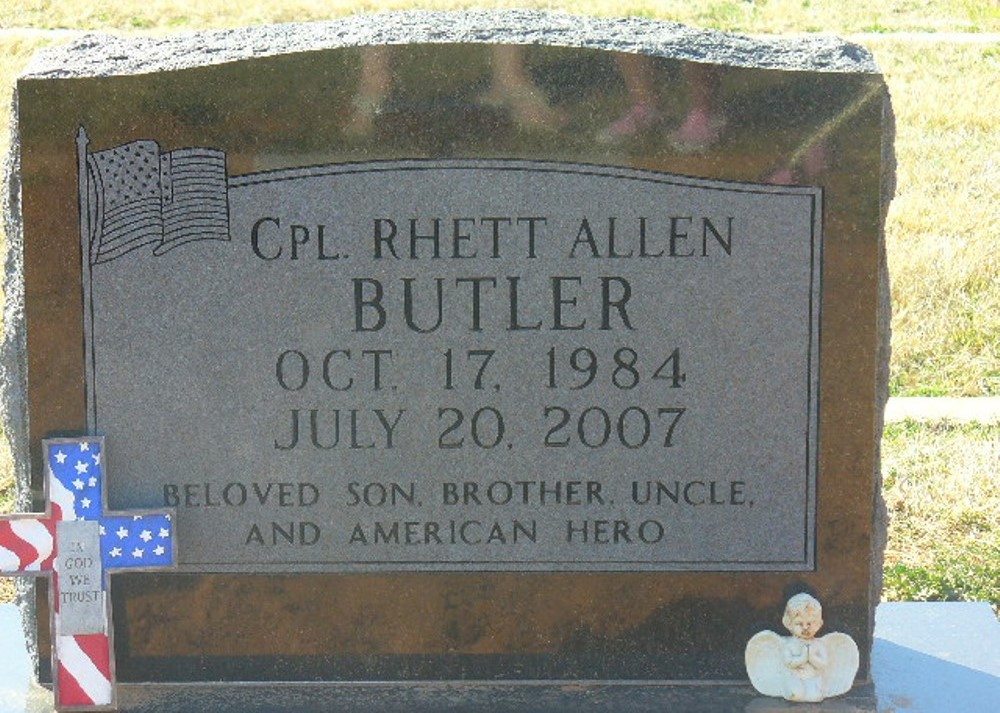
942, 230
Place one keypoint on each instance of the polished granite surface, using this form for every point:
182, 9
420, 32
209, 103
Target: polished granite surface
471, 100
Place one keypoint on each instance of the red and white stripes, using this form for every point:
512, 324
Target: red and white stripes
82, 663
84, 676
27, 544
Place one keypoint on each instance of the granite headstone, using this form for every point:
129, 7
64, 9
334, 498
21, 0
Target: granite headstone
491, 346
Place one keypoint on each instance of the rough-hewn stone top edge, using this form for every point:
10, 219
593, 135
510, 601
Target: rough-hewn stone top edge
106, 55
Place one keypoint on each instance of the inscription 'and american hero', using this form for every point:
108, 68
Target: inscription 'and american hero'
476, 364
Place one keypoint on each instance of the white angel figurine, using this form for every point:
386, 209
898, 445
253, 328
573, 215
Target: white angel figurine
802, 667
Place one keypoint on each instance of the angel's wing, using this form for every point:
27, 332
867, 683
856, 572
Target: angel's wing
766, 664
841, 664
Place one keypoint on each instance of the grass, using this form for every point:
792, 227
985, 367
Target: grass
943, 223
943, 497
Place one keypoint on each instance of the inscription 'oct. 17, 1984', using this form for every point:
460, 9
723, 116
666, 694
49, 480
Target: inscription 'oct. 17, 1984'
476, 364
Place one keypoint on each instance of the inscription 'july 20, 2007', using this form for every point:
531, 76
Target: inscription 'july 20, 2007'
477, 364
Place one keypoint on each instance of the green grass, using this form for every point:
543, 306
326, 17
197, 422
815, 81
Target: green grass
969, 576
942, 492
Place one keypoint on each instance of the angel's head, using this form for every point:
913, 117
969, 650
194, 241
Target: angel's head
803, 616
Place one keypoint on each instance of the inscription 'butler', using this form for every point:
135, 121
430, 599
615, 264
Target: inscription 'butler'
563, 295
488, 344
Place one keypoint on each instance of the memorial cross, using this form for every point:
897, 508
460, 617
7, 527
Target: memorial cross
80, 543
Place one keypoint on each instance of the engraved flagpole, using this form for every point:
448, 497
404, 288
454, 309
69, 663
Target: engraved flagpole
83, 183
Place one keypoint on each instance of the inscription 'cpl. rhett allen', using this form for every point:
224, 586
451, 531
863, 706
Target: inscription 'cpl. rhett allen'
674, 236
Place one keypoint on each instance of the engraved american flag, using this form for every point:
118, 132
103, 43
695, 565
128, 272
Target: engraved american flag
137, 195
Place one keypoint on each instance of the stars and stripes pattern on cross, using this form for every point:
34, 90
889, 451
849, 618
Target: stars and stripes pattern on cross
127, 541
83, 662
